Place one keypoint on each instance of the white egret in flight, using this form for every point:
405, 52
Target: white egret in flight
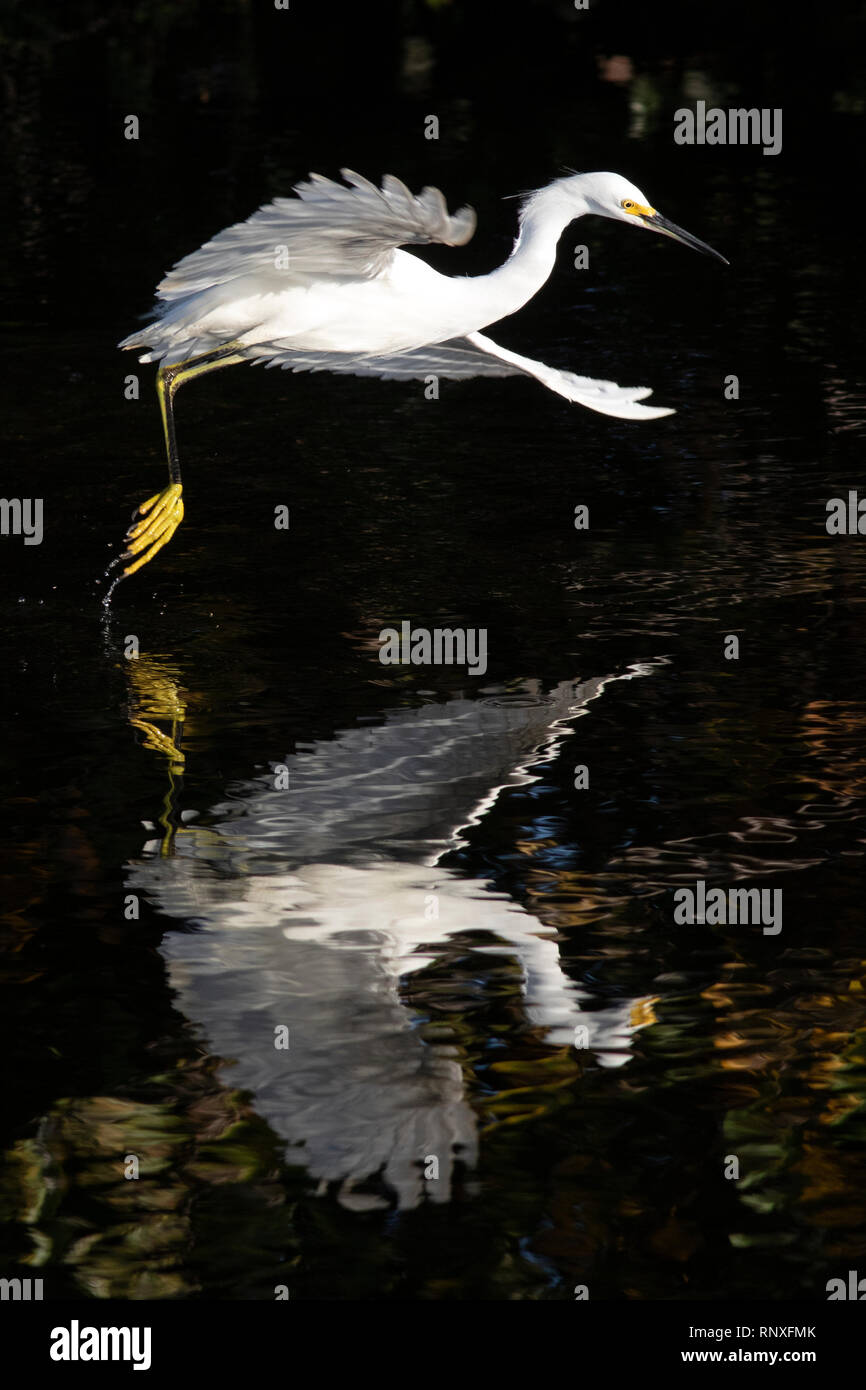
317, 283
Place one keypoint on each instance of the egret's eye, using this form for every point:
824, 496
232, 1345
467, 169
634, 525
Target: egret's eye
627, 204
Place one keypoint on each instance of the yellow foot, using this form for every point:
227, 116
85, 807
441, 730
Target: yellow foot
160, 517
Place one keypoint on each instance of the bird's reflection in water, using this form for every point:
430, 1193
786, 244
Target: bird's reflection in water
314, 898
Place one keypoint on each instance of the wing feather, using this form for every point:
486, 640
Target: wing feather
330, 229
455, 360
462, 358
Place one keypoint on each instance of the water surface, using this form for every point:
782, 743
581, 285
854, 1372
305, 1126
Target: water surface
432, 909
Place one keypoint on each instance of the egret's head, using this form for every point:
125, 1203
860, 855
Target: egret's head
610, 195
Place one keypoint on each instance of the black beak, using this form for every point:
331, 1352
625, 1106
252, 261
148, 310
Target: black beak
657, 223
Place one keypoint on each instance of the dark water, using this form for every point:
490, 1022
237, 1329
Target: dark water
419, 791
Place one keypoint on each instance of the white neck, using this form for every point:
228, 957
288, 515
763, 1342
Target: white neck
543, 218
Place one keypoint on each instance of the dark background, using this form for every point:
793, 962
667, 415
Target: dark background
707, 523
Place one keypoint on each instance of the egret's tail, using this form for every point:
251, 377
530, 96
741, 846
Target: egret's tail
178, 331
162, 345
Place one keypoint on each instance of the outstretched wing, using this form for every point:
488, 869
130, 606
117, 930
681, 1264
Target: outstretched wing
462, 358
455, 360
606, 397
328, 230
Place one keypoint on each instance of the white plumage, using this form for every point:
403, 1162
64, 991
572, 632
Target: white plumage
318, 283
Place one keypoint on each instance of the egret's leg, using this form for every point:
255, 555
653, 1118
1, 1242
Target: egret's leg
156, 520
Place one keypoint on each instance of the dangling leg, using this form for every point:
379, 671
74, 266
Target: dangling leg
157, 519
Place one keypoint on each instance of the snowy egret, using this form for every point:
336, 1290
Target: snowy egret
317, 283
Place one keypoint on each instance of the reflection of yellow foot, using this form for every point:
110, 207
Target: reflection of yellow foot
155, 694
160, 517
156, 697
159, 742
